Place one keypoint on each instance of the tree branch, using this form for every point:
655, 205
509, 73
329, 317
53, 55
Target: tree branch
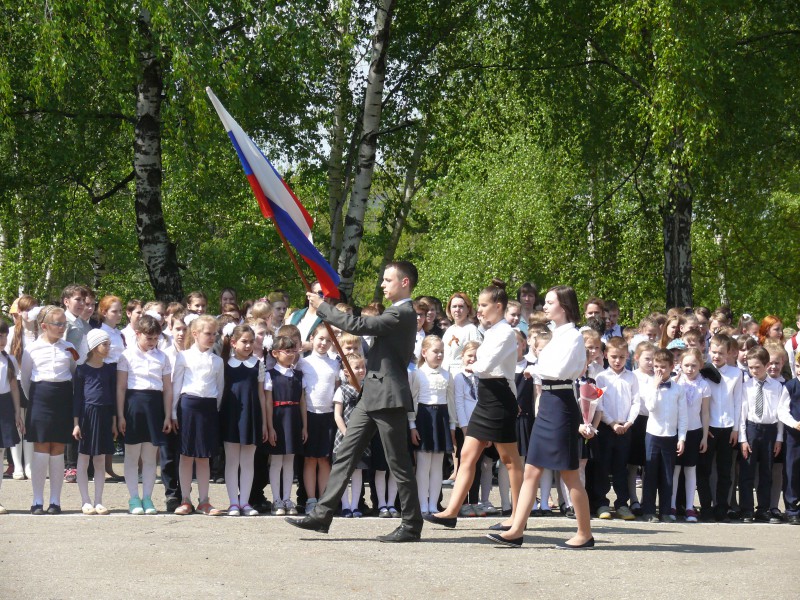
399, 126
72, 115
766, 36
109, 193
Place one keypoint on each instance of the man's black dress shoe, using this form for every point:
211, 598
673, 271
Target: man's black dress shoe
309, 523
449, 522
498, 539
400, 535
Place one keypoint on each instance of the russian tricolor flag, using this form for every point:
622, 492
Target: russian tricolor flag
277, 201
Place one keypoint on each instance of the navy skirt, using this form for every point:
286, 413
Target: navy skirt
144, 417
377, 455
691, 449
198, 426
639, 428
289, 430
433, 427
321, 433
49, 418
9, 436
96, 434
555, 440
495, 416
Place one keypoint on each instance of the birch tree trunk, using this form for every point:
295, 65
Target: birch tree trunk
409, 191
677, 217
157, 251
373, 97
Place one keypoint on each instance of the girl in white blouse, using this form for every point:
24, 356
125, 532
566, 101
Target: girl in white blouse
433, 422
24, 331
198, 383
46, 374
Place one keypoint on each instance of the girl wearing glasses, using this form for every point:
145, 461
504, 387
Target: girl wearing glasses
46, 373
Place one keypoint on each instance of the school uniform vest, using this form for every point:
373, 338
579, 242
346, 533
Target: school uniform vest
285, 388
793, 387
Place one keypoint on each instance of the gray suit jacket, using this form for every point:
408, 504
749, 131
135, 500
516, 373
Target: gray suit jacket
386, 384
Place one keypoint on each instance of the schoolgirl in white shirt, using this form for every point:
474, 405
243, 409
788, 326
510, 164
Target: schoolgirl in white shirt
46, 374
24, 331
144, 406
11, 424
460, 333
110, 309
198, 382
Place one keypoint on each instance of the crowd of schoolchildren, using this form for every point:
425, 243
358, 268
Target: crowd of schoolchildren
690, 402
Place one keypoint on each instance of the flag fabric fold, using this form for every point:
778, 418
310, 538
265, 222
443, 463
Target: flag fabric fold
277, 201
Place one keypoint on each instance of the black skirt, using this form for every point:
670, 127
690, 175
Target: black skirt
524, 428
96, 435
198, 426
9, 436
495, 416
377, 455
289, 430
240, 419
555, 439
144, 417
691, 449
433, 427
321, 429
49, 418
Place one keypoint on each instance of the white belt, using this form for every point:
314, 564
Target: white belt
561, 386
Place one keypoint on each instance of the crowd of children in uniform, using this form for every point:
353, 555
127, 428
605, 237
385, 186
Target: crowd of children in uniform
689, 403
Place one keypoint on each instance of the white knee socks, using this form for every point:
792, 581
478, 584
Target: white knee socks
239, 484
545, 485
281, 463
486, 478
504, 486
288, 476
149, 461
131, 468
38, 475
350, 497
56, 478
423, 476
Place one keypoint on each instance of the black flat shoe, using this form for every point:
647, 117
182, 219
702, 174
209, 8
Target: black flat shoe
500, 540
584, 546
37, 509
54, 509
449, 522
499, 527
400, 535
309, 523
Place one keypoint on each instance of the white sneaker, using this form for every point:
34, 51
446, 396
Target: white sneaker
100, 509
278, 508
88, 509
291, 507
249, 511
310, 504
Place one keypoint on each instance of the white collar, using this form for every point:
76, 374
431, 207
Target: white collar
249, 363
287, 371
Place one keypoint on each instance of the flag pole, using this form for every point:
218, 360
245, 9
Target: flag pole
307, 287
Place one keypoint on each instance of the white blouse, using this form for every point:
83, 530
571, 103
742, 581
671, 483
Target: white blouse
285, 371
43, 361
197, 373
497, 355
433, 387
5, 385
117, 343
145, 369
564, 357
320, 376
695, 391
454, 339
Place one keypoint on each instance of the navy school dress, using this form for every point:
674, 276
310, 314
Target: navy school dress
286, 419
240, 417
94, 405
525, 418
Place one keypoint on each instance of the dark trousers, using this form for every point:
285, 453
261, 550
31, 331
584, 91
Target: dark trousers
392, 425
71, 455
719, 446
168, 455
660, 455
761, 439
613, 451
791, 472
260, 475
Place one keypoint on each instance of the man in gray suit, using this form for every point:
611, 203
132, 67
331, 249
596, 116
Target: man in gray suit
385, 402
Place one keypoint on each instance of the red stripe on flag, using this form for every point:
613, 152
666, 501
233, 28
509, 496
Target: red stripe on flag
262, 199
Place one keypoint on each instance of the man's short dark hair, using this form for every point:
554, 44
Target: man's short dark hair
406, 269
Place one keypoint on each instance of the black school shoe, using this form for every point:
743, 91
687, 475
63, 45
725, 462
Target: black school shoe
400, 535
794, 519
54, 509
37, 509
762, 516
501, 541
775, 516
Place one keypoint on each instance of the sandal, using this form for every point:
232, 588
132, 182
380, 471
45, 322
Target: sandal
207, 509
185, 508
